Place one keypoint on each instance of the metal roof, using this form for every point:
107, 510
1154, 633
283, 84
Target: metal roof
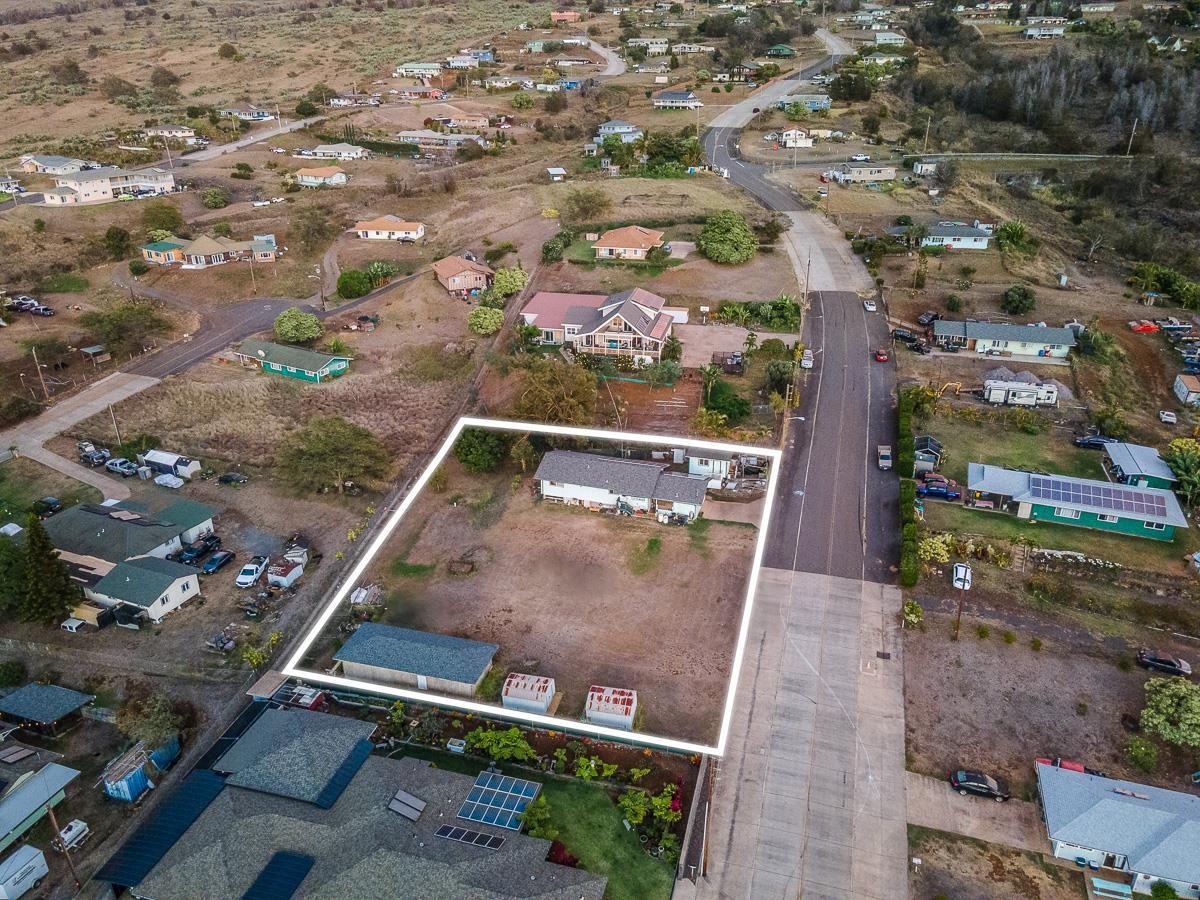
308, 361
43, 704
418, 652
998, 331
143, 580
1157, 830
1083, 494
32, 794
112, 533
1135, 459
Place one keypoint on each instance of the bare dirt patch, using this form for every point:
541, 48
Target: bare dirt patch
967, 869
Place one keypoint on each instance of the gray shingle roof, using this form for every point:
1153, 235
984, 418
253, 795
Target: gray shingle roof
43, 703
418, 652
997, 331
292, 752
143, 580
680, 488
624, 477
361, 848
112, 533
1157, 830
1134, 459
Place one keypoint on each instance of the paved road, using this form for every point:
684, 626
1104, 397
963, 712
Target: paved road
215, 150
1017, 823
614, 65
21, 200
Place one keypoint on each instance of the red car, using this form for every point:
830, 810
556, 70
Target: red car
1144, 325
881, 356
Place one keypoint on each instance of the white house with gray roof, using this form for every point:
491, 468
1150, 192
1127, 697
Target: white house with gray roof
1149, 833
950, 235
1000, 339
604, 483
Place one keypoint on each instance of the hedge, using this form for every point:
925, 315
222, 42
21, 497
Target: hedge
910, 567
908, 496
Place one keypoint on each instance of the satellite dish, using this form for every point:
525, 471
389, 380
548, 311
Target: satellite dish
262, 354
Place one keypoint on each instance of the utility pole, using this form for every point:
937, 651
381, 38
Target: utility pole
167, 147
114, 421
65, 850
928, 122
1132, 132
41, 377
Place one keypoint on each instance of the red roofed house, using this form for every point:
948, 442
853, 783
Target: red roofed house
389, 228
459, 275
564, 15
630, 242
630, 323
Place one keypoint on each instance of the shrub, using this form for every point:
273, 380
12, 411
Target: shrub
227, 51
1081, 708
634, 805
1035, 644
1009, 637
726, 238
1018, 300
213, 198
1143, 754
954, 303
306, 108
484, 321
913, 615
138, 267
910, 566
354, 284
908, 496
297, 327
12, 673
982, 632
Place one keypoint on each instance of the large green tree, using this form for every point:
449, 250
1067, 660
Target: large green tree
297, 326
480, 449
1172, 711
1018, 300
727, 238
554, 390
50, 594
116, 242
1183, 456
125, 326
12, 577
151, 719
330, 451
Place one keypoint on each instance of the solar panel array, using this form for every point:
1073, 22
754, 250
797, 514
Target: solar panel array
467, 836
498, 800
1101, 496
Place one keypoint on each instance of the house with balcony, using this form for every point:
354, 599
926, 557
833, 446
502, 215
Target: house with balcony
629, 323
106, 184
619, 128
677, 100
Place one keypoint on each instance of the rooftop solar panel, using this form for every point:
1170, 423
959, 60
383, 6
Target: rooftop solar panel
1118, 499
467, 836
497, 799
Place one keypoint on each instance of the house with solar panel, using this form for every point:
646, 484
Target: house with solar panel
385, 654
1082, 502
299, 806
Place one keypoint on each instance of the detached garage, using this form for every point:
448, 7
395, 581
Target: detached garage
384, 654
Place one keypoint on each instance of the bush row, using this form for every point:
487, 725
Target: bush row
904, 442
910, 566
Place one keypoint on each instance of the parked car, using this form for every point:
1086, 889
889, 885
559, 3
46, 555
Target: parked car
970, 781
251, 572
904, 335
1167, 417
257, 203
881, 355
94, 458
42, 311
1143, 326
233, 478
939, 490
936, 478
198, 549
920, 347
806, 359
121, 466
860, 157
47, 506
215, 562
1094, 441
869, 305
928, 317
1160, 662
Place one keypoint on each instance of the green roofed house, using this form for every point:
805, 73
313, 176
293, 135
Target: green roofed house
43, 707
781, 51
292, 362
1085, 503
163, 253
384, 654
158, 586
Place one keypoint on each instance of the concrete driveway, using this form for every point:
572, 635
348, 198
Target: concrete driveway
933, 804
700, 342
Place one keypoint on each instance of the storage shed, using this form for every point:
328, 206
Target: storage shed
385, 654
165, 463
1187, 389
1138, 466
611, 707
531, 693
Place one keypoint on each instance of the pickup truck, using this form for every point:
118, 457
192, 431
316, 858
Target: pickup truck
883, 455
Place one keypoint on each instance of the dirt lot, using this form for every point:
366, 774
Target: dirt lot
966, 869
673, 645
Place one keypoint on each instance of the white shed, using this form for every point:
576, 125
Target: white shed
530, 693
1187, 389
612, 707
711, 464
284, 573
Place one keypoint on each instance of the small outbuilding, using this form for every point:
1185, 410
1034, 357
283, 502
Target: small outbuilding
46, 708
530, 693
1187, 389
385, 654
292, 362
556, 173
1138, 466
611, 707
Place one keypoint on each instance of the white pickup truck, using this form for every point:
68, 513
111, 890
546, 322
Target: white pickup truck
883, 455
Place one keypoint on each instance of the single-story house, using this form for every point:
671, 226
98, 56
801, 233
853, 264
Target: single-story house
856, 172
428, 139
459, 275
1187, 389
247, 113
677, 100
925, 167
1148, 833
158, 586
626, 131
292, 362
108, 183
654, 46
44, 708
606, 483
565, 16
172, 132
384, 654
463, 120
795, 138
630, 242
994, 338
811, 102
880, 58
462, 62
781, 51
556, 173
340, 151
1082, 502
889, 39
25, 804
951, 235
164, 253
49, 164
322, 176
686, 49
1138, 466
1043, 32
420, 92
710, 464
630, 323
389, 228
531, 693
206, 251
418, 70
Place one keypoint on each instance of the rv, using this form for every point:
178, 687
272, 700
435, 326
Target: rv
1017, 393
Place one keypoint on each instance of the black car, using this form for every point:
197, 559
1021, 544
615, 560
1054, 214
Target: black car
47, 506
928, 317
233, 478
920, 347
904, 335
94, 458
1160, 662
969, 781
1094, 441
198, 549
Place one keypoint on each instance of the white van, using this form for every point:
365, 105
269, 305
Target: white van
22, 872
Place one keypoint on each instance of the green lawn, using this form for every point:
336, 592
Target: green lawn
590, 826
995, 444
64, 283
581, 253
1136, 553
5, 196
22, 481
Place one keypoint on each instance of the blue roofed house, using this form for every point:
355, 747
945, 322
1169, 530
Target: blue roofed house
1082, 502
384, 654
811, 102
44, 707
1148, 833
292, 362
1138, 466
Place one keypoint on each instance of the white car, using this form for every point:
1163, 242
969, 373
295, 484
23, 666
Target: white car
869, 305
860, 157
169, 481
806, 360
261, 203
1167, 418
251, 572
962, 577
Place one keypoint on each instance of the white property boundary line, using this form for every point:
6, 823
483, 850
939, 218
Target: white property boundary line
499, 712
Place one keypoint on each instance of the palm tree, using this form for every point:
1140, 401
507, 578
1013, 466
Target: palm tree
709, 375
736, 313
672, 349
